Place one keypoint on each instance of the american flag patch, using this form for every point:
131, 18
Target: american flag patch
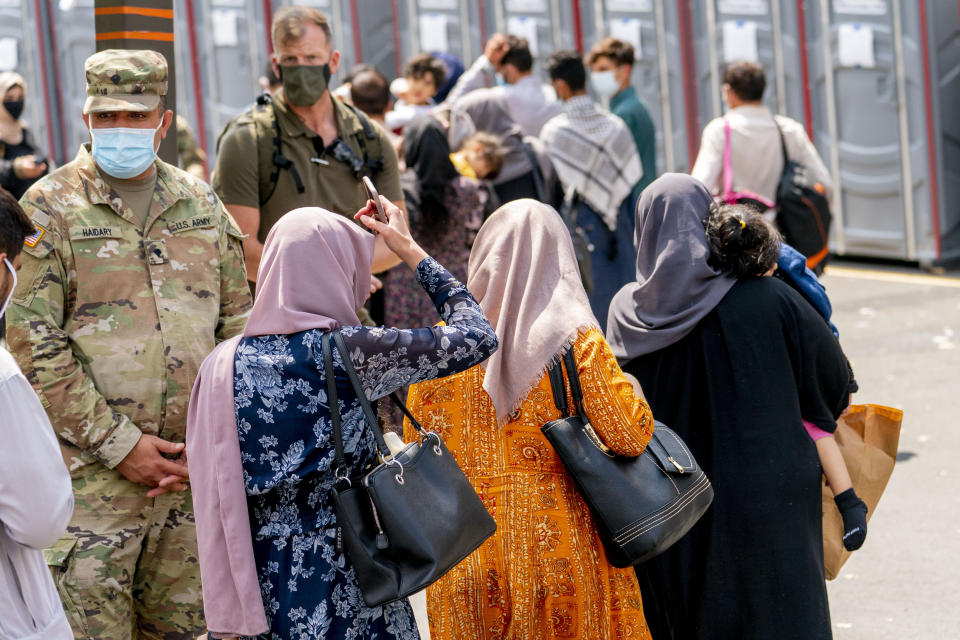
31, 241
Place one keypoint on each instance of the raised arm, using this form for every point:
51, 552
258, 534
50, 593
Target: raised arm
388, 359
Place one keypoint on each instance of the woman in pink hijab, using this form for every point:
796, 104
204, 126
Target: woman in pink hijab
259, 428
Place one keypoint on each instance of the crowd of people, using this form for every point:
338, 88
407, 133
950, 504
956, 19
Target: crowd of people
169, 335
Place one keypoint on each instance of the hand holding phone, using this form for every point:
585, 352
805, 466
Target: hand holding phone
373, 195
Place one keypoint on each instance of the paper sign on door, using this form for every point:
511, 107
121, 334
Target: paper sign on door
740, 41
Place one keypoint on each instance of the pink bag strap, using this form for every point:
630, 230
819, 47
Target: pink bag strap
728, 195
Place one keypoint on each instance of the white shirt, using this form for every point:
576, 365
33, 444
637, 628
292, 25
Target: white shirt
755, 152
36, 502
530, 103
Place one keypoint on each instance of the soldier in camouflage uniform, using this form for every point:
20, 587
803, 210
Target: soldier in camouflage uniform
115, 310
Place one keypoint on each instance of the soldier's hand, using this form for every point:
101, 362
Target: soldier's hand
171, 483
146, 465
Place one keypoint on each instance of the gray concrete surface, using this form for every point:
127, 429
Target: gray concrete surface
901, 331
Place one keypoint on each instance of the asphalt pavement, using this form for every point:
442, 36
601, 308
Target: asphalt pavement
901, 330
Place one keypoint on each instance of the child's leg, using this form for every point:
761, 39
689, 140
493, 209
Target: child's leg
833, 465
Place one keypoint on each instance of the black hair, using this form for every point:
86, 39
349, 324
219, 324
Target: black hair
14, 225
567, 65
426, 65
370, 91
518, 53
746, 79
742, 242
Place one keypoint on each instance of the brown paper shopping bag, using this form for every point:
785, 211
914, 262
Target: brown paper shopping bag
868, 436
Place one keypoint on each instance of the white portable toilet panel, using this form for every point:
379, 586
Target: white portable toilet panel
944, 49
762, 31
18, 52
652, 27
448, 26
231, 54
548, 25
866, 63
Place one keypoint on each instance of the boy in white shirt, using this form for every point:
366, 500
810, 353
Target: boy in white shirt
36, 497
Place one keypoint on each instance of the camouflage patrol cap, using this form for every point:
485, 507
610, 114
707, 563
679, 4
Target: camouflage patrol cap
125, 80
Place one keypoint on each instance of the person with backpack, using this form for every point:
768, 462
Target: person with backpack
750, 156
303, 146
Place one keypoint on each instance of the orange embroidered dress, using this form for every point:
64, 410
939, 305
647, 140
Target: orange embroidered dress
544, 574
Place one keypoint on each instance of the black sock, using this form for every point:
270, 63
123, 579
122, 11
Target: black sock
854, 514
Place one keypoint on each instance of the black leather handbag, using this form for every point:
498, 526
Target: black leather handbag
409, 519
640, 505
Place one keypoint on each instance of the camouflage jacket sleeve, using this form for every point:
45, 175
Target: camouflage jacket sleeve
79, 413
235, 301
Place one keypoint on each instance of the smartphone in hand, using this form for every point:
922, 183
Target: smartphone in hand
373, 195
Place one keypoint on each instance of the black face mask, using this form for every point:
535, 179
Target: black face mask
14, 108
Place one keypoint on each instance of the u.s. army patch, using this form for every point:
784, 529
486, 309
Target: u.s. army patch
32, 240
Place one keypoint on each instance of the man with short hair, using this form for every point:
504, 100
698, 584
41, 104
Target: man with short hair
528, 101
305, 147
755, 151
36, 498
599, 166
611, 69
134, 274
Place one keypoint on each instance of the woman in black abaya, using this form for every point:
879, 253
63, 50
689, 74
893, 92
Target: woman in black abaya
731, 365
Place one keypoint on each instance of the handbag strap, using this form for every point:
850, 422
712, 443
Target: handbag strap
560, 390
406, 412
368, 413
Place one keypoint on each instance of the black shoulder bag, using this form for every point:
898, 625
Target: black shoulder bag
409, 519
640, 505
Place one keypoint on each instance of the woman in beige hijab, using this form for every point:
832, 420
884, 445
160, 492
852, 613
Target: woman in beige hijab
544, 574
20, 162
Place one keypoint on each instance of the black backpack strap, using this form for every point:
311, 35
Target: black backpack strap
280, 161
783, 143
542, 195
372, 166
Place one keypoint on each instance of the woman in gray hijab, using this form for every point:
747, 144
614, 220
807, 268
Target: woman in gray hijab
732, 365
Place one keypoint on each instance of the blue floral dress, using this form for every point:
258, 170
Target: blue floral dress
308, 587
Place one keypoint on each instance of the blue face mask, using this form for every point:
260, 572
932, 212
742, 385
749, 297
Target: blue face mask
499, 80
124, 152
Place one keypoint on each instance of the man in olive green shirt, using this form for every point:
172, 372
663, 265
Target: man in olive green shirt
324, 145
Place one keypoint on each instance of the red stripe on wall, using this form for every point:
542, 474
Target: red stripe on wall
201, 122
577, 25
805, 68
689, 80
